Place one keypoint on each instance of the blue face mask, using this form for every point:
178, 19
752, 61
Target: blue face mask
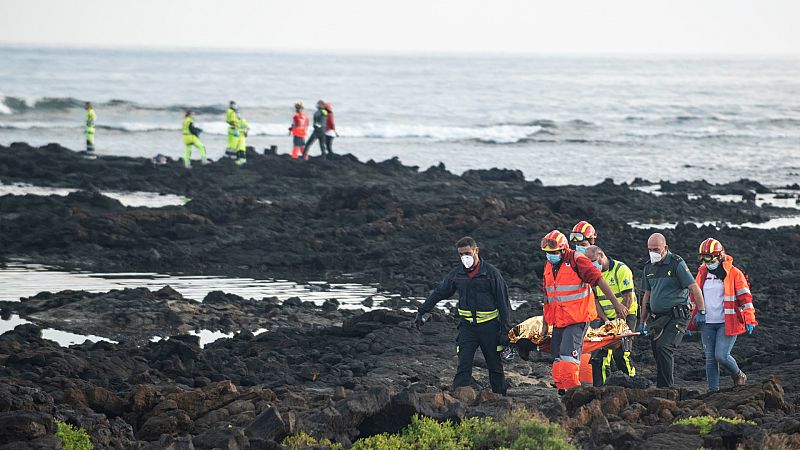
598, 265
554, 259
581, 249
712, 266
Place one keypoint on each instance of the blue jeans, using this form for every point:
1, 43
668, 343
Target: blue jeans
717, 346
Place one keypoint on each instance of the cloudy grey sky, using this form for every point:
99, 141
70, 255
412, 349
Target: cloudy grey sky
526, 26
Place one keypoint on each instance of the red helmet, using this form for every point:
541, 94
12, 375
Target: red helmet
581, 231
710, 246
554, 240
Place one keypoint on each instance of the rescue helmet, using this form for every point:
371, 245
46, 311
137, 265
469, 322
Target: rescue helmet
581, 231
328, 106
554, 240
710, 246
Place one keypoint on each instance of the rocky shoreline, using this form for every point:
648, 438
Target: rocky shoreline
337, 373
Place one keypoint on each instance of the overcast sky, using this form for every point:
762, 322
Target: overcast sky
528, 26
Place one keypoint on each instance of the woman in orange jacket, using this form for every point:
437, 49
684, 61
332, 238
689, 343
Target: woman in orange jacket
729, 311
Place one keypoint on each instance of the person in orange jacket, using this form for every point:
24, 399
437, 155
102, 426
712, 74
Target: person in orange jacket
298, 130
728, 313
570, 304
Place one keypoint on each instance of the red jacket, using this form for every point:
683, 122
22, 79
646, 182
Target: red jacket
329, 124
299, 124
737, 301
569, 297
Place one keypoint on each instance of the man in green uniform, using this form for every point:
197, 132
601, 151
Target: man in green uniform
241, 142
620, 278
90, 119
191, 139
665, 307
233, 129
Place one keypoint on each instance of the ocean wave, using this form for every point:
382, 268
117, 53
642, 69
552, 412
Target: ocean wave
13, 105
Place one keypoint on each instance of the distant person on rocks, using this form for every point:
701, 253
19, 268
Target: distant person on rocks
484, 309
233, 129
318, 133
330, 130
728, 313
665, 307
298, 130
90, 120
241, 141
620, 279
191, 138
582, 236
570, 305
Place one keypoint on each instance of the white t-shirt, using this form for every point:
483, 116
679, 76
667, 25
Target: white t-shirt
713, 292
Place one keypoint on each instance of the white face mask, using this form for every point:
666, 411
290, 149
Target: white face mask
467, 261
655, 257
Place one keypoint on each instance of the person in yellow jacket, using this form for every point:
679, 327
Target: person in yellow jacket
90, 119
231, 118
620, 278
191, 138
241, 142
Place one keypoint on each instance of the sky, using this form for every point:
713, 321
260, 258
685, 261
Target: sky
749, 27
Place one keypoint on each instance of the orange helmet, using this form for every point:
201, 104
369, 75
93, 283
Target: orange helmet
581, 231
554, 240
710, 246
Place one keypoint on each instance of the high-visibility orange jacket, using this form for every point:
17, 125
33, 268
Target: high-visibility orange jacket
737, 301
568, 298
299, 124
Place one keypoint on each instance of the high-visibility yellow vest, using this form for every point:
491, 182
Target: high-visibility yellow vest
620, 278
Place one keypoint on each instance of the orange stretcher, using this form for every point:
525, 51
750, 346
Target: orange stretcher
591, 344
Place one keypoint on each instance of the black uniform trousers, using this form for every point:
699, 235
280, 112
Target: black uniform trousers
486, 336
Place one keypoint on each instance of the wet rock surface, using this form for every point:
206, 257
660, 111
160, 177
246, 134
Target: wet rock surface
338, 373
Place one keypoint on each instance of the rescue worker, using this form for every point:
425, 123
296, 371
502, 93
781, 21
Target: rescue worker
570, 305
484, 309
330, 130
729, 311
298, 130
90, 120
583, 235
233, 129
241, 141
620, 278
191, 138
318, 133
664, 313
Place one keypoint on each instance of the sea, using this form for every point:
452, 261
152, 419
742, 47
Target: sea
560, 119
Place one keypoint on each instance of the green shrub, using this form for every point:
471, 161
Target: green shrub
302, 440
72, 438
704, 424
517, 431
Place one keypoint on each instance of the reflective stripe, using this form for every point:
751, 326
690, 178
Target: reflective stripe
746, 306
742, 291
608, 307
480, 316
570, 287
570, 359
730, 311
569, 298
550, 289
729, 298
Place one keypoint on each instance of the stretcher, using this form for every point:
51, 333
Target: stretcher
527, 336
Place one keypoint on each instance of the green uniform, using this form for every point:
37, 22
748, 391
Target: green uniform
233, 130
241, 141
668, 282
91, 118
620, 278
189, 140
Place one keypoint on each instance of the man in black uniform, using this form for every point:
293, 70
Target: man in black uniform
484, 310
